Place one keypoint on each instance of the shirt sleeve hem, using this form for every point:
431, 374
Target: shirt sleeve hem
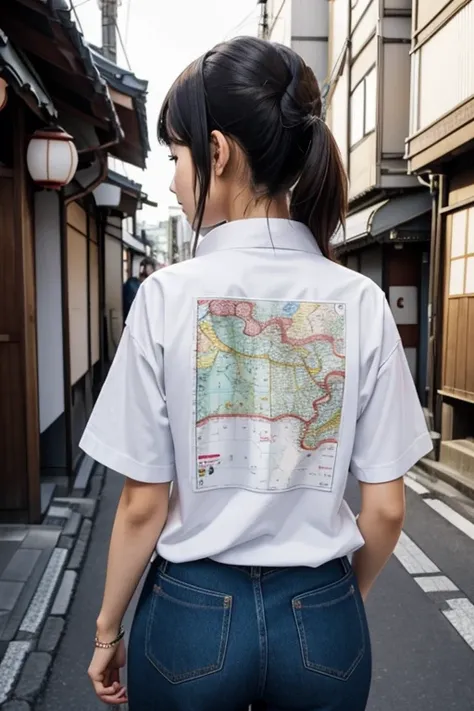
395, 470
123, 464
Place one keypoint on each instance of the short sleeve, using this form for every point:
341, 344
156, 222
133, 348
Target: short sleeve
129, 429
391, 434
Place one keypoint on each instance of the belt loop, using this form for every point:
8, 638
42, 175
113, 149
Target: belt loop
346, 566
163, 566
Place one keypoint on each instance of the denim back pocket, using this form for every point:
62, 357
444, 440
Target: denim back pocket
187, 630
332, 628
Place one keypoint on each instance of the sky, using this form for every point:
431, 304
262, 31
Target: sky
161, 38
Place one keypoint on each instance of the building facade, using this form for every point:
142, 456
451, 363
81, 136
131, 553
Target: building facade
359, 51
55, 264
180, 236
302, 25
440, 148
367, 106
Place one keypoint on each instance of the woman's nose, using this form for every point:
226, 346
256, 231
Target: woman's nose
172, 187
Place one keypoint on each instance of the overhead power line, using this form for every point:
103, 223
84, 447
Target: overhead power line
276, 18
127, 21
74, 9
236, 28
122, 44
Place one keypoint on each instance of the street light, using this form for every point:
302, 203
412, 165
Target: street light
52, 158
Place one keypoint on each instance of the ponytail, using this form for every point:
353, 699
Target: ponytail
319, 199
265, 98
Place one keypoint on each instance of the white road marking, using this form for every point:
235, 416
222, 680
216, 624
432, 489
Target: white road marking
416, 486
39, 605
452, 516
461, 616
436, 583
412, 558
11, 666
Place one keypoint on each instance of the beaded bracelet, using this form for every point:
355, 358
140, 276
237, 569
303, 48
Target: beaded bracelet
113, 643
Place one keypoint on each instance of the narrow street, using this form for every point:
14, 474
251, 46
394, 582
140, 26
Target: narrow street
420, 659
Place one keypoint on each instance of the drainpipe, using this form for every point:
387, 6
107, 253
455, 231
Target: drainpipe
429, 389
379, 73
437, 294
349, 64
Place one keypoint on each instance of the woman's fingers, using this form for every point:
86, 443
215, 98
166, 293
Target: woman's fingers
114, 693
104, 674
120, 697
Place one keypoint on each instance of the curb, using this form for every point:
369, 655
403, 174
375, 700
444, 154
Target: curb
28, 659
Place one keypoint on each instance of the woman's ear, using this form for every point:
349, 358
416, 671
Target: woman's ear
220, 152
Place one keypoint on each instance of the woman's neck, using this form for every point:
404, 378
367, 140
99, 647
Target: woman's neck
244, 207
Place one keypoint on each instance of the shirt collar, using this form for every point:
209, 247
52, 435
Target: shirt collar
259, 233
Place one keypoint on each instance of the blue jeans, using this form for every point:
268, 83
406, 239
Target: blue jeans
213, 637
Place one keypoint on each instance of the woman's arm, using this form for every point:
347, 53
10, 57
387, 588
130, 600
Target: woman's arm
141, 516
380, 522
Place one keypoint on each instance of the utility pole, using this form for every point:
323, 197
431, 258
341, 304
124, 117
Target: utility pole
263, 28
109, 28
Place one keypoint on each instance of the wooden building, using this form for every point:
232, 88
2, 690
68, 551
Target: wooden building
53, 259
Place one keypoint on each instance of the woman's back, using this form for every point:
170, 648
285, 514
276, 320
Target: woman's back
280, 368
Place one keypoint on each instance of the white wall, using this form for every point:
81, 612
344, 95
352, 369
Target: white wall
49, 311
302, 25
442, 70
136, 261
309, 34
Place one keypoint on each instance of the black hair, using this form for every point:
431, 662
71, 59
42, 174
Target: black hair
149, 262
264, 97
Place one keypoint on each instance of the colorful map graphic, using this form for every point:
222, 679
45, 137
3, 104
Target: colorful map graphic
269, 391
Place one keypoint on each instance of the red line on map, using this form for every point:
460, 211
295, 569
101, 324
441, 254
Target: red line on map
244, 311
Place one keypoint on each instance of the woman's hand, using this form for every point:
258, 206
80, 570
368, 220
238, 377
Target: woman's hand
104, 672
140, 518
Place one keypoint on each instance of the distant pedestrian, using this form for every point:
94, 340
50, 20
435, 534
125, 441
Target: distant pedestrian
148, 265
129, 291
253, 378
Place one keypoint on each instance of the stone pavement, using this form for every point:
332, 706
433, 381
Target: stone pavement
39, 566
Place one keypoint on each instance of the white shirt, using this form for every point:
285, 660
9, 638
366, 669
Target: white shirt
255, 377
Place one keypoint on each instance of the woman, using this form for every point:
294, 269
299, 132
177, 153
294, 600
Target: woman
254, 378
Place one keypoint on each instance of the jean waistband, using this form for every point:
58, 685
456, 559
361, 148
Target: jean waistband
254, 571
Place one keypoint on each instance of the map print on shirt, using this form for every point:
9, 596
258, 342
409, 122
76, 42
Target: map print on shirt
269, 390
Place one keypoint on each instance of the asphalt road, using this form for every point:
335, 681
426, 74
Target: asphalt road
420, 661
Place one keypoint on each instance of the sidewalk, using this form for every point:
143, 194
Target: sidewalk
69, 685
39, 567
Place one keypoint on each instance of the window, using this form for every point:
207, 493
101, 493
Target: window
357, 114
461, 272
370, 108
364, 107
